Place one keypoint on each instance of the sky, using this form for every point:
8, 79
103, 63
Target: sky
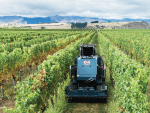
110, 9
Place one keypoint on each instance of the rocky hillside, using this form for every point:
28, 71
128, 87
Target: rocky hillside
119, 25
137, 25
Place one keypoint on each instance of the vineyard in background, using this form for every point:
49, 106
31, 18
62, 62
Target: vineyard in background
22, 53
134, 42
53, 51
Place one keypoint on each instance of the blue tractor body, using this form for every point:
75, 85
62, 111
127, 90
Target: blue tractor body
86, 68
88, 75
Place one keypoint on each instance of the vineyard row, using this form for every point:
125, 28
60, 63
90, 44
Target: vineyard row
51, 73
129, 76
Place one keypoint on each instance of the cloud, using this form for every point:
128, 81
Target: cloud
89, 8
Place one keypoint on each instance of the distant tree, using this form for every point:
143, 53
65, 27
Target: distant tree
42, 27
78, 25
94, 22
5, 27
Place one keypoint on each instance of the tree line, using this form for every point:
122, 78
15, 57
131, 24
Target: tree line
78, 25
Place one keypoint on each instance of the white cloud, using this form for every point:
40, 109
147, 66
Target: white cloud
90, 8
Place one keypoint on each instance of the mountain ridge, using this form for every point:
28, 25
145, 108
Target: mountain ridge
61, 19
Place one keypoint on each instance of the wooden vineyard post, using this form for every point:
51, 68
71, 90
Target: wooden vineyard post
131, 56
29, 69
20, 72
33, 69
43, 109
52, 102
2, 90
55, 90
36, 65
14, 82
126, 52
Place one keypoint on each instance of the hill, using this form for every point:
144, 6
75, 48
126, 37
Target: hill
64, 22
61, 19
137, 25
120, 25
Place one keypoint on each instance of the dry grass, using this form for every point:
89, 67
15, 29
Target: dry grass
107, 25
65, 25
38, 26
